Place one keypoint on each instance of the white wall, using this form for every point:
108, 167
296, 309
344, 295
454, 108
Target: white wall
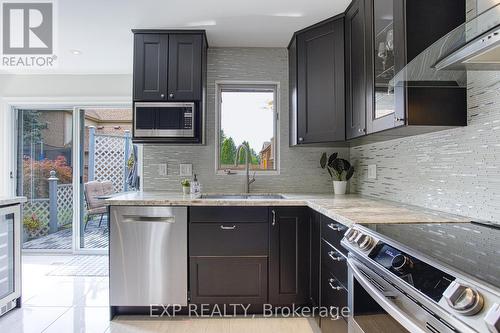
50, 90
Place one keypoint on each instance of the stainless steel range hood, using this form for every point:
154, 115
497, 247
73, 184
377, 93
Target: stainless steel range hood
481, 49
474, 45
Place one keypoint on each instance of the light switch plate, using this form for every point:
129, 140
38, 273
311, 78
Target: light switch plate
162, 169
186, 170
372, 171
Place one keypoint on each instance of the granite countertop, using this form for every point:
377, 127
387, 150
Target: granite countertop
346, 209
4, 201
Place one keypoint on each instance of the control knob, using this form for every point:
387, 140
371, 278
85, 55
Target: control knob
365, 242
401, 262
351, 235
463, 299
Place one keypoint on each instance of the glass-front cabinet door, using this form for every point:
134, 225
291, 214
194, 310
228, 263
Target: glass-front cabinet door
382, 114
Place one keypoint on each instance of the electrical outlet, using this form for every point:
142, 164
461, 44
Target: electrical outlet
162, 169
186, 170
372, 171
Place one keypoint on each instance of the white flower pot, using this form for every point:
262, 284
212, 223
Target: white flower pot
339, 187
186, 190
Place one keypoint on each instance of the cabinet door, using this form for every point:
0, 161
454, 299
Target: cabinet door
228, 280
315, 258
320, 84
357, 93
150, 67
289, 256
184, 67
384, 25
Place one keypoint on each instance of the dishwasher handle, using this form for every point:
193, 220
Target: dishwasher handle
144, 218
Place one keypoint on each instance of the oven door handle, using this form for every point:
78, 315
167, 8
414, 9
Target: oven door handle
385, 300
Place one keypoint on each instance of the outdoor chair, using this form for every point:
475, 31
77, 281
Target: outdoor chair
96, 206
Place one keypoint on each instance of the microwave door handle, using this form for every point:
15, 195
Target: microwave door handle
384, 300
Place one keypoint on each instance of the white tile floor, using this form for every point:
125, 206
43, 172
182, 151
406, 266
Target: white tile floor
65, 304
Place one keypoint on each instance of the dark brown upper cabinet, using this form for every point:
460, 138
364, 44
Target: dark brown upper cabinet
150, 67
316, 68
289, 256
184, 67
169, 65
382, 37
356, 46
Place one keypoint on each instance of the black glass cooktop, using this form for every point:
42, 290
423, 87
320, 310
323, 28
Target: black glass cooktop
470, 248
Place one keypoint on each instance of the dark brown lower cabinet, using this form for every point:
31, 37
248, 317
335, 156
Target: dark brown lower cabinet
228, 280
289, 256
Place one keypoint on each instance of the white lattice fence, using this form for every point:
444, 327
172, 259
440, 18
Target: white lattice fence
40, 209
110, 159
64, 204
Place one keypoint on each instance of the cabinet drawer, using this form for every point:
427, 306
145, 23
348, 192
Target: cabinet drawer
334, 262
228, 280
332, 292
229, 214
228, 239
333, 232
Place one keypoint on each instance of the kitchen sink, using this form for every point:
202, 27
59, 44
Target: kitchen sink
242, 196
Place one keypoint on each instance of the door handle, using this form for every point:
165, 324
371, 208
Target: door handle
335, 227
330, 282
140, 218
228, 228
273, 212
332, 254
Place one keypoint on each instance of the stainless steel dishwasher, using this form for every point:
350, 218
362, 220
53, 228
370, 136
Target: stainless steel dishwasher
148, 256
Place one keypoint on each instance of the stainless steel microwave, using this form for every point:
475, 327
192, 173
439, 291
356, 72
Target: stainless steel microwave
164, 119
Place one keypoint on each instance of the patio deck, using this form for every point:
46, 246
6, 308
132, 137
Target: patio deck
95, 237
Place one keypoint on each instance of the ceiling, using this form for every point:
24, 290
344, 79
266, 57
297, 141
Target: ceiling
101, 29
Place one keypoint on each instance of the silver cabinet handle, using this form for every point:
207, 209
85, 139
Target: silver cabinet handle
335, 256
399, 119
361, 130
228, 228
335, 227
274, 218
162, 95
171, 95
330, 282
301, 139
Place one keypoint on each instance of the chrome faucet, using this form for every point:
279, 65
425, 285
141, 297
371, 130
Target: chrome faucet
248, 181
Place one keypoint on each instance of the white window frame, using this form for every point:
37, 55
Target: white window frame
248, 85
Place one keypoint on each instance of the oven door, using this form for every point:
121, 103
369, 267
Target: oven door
164, 120
10, 257
378, 306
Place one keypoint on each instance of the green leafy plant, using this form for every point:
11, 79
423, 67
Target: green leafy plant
185, 183
338, 168
32, 223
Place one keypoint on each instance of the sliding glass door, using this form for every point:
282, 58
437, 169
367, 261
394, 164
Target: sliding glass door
45, 176
68, 162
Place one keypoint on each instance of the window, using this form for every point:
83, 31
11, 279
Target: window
247, 116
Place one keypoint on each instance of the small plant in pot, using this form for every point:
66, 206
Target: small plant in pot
339, 169
186, 186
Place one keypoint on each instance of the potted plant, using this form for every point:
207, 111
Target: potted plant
339, 169
186, 186
31, 225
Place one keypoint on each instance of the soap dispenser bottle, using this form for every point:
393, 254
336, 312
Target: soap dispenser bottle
195, 187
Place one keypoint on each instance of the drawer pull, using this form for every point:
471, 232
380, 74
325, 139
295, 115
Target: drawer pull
335, 256
330, 282
228, 228
335, 227
273, 212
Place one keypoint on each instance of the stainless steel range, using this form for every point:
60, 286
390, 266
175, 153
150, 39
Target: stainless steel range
424, 277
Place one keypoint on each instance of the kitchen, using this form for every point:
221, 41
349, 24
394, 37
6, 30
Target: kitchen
354, 189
